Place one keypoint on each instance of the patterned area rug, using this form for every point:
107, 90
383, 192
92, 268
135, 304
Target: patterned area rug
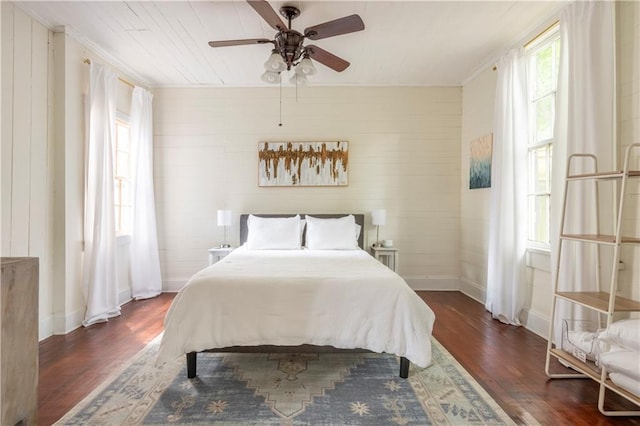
289, 389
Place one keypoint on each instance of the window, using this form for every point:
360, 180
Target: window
543, 59
122, 178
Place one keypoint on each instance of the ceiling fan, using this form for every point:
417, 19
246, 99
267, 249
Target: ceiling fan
289, 49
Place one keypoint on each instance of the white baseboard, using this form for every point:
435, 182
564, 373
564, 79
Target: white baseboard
124, 296
536, 322
45, 327
173, 286
63, 324
473, 290
531, 320
432, 282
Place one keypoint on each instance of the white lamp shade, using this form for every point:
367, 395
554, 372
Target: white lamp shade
305, 67
271, 77
298, 79
378, 216
275, 63
225, 217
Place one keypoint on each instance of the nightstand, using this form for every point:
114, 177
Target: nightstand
217, 253
387, 256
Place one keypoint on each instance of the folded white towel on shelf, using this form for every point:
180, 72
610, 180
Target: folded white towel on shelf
626, 383
623, 333
625, 361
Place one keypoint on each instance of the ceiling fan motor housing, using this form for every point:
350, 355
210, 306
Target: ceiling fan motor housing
289, 45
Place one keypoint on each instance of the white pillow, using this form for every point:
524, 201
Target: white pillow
274, 233
624, 362
331, 234
625, 333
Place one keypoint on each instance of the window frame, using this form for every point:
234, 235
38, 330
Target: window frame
550, 38
122, 120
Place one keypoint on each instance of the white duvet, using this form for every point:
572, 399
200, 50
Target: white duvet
342, 298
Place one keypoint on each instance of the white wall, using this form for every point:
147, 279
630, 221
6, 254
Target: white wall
404, 150
477, 120
44, 80
478, 98
628, 69
27, 148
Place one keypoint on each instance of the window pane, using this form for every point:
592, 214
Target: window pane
539, 170
122, 197
542, 60
116, 192
542, 83
544, 117
122, 164
556, 49
123, 137
126, 194
125, 219
539, 218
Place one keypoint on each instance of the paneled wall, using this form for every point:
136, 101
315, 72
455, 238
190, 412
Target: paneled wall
478, 95
404, 156
27, 174
44, 81
628, 67
477, 121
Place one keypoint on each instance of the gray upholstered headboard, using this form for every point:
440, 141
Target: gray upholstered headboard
244, 230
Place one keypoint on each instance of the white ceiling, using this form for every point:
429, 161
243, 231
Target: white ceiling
164, 43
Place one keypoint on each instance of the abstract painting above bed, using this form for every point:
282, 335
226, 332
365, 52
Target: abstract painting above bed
303, 163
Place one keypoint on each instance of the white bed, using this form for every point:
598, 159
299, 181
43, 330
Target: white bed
344, 299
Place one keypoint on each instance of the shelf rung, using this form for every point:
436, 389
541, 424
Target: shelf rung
600, 238
623, 392
599, 300
580, 366
618, 174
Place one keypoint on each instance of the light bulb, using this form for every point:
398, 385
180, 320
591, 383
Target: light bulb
299, 79
275, 63
270, 77
305, 67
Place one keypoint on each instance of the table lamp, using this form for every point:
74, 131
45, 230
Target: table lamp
378, 217
225, 218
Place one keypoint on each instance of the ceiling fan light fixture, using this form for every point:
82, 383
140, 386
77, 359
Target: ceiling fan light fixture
305, 67
271, 77
275, 62
298, 79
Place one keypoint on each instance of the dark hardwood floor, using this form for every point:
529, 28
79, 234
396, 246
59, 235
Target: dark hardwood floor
507, 361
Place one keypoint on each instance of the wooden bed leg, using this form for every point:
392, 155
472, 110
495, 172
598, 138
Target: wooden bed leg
404, 368
191, 365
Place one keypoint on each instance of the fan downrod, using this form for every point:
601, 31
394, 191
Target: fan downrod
289, 12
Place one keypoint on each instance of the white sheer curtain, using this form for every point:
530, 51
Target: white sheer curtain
145, 261
506, 280
99, 263
584, 124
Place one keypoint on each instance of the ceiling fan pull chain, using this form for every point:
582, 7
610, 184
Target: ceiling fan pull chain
280, 124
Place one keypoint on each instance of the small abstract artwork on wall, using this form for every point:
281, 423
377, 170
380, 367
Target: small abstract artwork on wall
480, 162
303, 163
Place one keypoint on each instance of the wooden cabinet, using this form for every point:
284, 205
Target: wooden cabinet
19, 341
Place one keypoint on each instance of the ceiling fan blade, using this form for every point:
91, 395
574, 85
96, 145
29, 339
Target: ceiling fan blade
225, 43
328, 59
265, 10
348, 24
